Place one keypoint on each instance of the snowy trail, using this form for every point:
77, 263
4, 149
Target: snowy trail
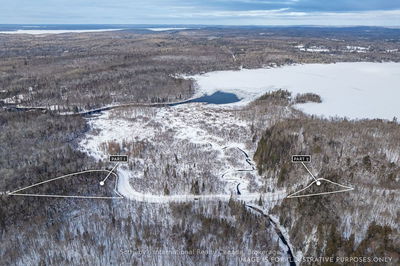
126, 190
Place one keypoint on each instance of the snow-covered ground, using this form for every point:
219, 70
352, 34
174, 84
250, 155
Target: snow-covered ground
312, 49
126, 189
177, 146
45, 32
13, 100
354, 90
358, 49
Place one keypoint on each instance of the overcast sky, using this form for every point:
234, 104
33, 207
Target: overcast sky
228, 12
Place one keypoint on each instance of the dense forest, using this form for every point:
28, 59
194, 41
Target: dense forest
363, 222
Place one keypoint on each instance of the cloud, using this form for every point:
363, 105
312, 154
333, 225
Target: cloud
346, 5
320, 5
285, 16
264, 12
232, 14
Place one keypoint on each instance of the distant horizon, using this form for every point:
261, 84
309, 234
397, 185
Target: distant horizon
199, 25
40, 29
203, 12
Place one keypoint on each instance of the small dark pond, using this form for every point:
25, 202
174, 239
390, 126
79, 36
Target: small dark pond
218, 97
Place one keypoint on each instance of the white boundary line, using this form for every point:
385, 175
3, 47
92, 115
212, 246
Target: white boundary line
56, 178
105, 179
63, 196
14, 193
309, 171
293, 195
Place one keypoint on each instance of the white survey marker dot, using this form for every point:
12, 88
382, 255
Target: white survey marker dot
318, 183
101, 183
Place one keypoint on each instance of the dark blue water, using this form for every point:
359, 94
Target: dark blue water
218, 97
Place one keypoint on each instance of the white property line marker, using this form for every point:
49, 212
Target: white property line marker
64, 196
103, 182
294, 195
318, 183
14, 193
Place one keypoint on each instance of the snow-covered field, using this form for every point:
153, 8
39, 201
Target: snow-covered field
353, 90
312, 49
178, 146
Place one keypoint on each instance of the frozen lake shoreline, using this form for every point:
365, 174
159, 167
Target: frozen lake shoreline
353, 90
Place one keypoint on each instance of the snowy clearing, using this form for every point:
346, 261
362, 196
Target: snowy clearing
172, 148
353, 90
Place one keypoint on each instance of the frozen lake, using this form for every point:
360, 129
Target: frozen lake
353, 90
